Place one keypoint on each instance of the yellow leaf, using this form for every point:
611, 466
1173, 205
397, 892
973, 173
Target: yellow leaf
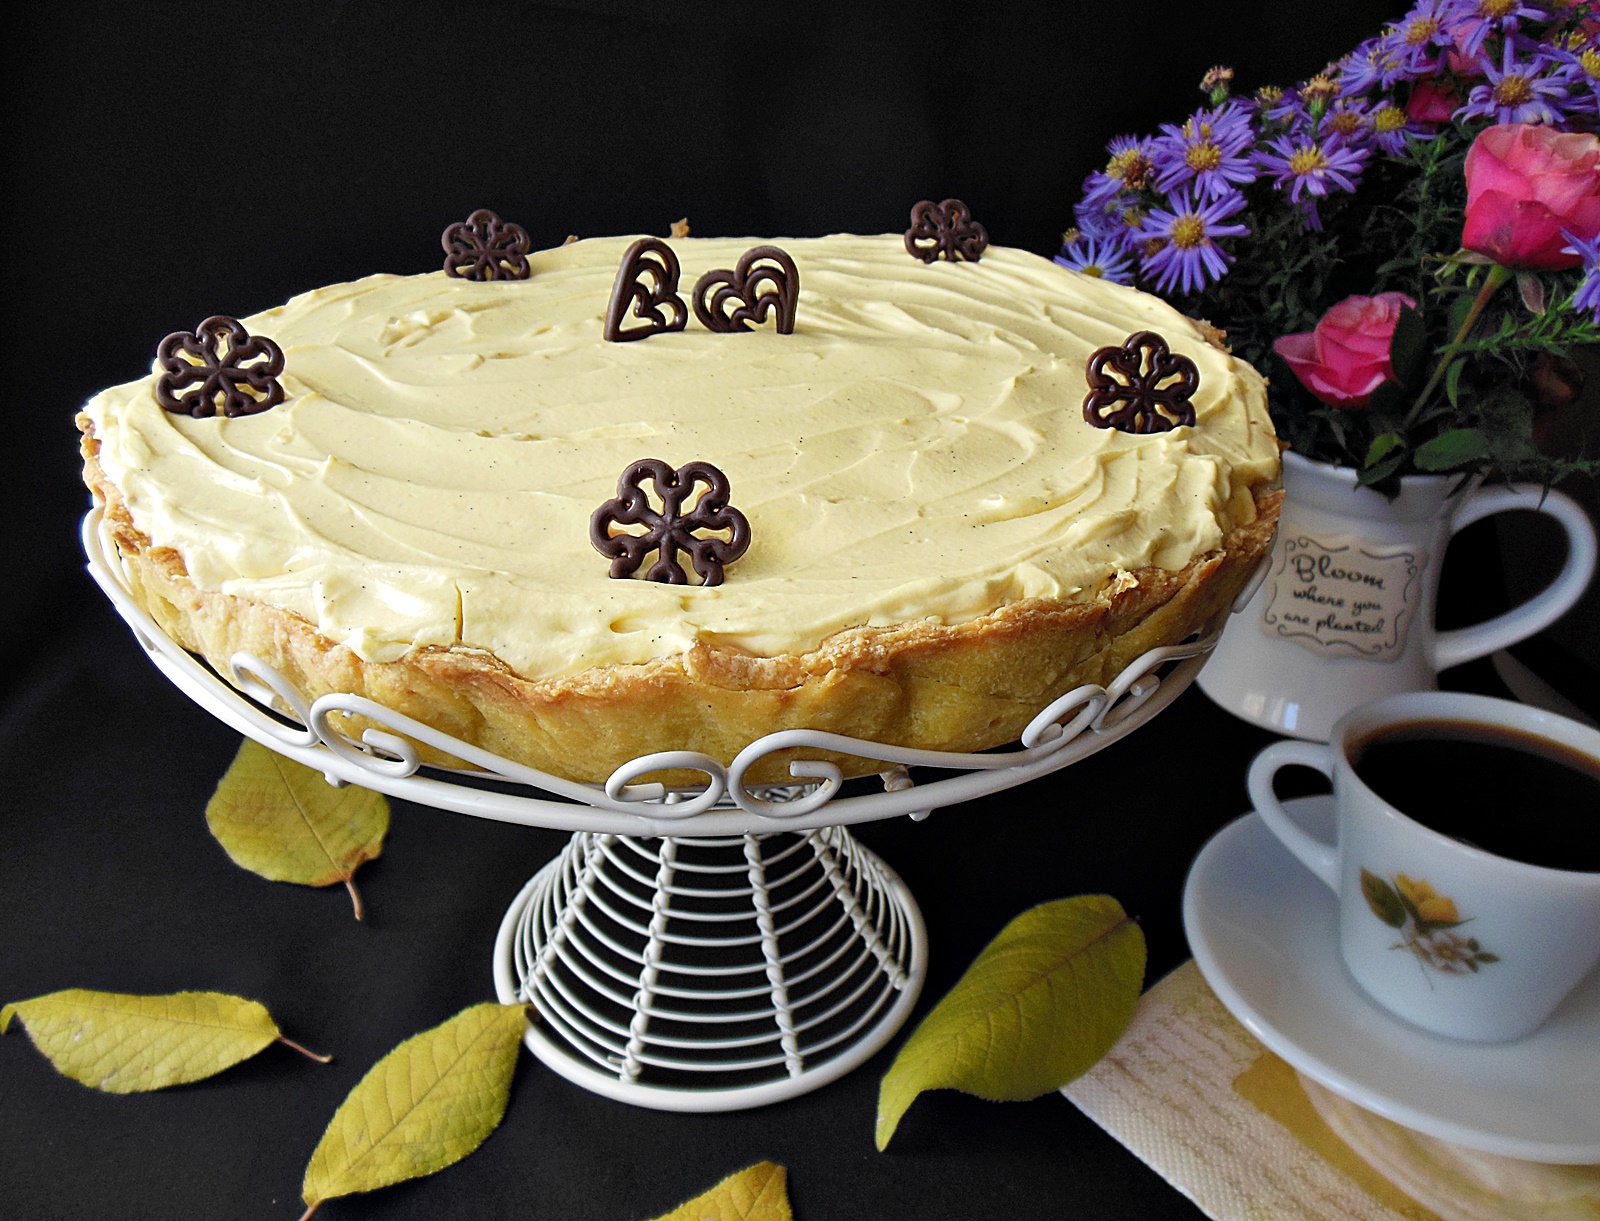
756, 1193
283, 821
1038, 1007
425, 1105
124, 1044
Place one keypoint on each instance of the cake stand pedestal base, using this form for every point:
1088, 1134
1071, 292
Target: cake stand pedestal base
711, 974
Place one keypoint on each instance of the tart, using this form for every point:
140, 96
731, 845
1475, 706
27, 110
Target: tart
941, 542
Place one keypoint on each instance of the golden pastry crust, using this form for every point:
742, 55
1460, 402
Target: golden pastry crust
924, 684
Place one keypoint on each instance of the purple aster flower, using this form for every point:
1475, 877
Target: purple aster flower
1390, 126
1129, 168
1099, 188
1103, 258
1414, 46
1180, 245
1287, 110
1096, 222
1299, 108
1266, 98
1588, 295
1517, 92
1207, 152
1364, 67
1578, 68
1109, 218
1130, 220
1350, 120
1312, 166
1475, 20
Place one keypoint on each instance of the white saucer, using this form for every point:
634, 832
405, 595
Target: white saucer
1264, 934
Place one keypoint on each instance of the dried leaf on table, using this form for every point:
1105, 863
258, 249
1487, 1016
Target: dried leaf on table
125, 1044
282, 820
756, 1193
1038, 1007
424, 1106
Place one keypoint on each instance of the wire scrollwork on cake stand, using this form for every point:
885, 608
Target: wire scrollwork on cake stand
385, 755
390, 753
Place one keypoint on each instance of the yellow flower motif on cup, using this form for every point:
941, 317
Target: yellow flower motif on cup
1426, 921
1430, 904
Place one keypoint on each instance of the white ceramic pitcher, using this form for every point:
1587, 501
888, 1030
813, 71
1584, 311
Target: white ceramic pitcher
1345, 615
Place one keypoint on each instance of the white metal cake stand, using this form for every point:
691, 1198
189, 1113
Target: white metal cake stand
706, 949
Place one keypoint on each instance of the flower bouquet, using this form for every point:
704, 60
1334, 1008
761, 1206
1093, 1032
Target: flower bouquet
1408, 244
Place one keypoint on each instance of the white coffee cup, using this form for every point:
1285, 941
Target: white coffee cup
1450, 937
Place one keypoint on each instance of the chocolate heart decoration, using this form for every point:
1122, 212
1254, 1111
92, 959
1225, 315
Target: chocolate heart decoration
649, 256
1141, 387
753, 291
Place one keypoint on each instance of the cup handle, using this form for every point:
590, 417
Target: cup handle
1319, 857
1545, 607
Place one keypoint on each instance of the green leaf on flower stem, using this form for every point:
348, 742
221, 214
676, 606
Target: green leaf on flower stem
1459, 309
1408, 347
424, 1106
1374, 476
1452, 381
1451, 449
1037, 1008
1383, 445
282, 820
124, 1044
1385, 455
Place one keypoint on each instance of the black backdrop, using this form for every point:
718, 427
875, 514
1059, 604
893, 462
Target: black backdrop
169, 162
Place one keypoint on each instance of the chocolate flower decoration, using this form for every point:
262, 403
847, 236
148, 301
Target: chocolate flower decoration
671, 529
764, 279
945, 229
1141, 387
649, 256
484, 247
218, 365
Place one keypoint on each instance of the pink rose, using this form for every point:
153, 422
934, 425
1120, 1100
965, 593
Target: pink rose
1347, 357
1432, 102
1525, 184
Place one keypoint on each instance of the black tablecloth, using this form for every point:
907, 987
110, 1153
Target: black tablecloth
109, 879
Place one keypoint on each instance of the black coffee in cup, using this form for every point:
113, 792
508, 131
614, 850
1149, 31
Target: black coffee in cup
1516, 795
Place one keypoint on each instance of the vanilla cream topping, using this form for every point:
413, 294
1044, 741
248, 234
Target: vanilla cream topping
915, 450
